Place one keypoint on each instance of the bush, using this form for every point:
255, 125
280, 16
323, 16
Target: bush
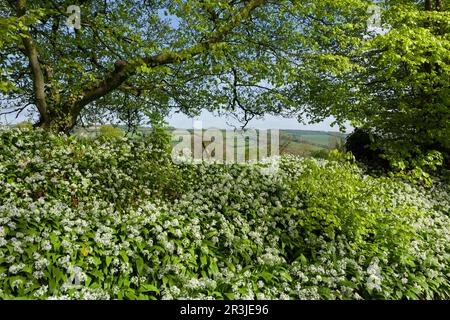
100, 220
122, 171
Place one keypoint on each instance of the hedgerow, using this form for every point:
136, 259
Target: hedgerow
117, 219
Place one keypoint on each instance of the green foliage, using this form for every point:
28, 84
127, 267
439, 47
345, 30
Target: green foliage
417, 167
12, 29
320, 154
334, 155
398, 84
64, 166
248, 58
311, 59
115, 219
338, 155
110, 132
365, 146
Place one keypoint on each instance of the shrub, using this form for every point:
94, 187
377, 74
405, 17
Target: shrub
110, 132
24, 125
418, 165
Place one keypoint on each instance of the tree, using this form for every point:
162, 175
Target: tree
240, 56
309, 59
399, 82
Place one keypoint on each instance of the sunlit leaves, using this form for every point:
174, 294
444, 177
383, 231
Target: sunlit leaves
110, 218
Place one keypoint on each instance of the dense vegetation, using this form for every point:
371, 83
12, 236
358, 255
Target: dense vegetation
115, 218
